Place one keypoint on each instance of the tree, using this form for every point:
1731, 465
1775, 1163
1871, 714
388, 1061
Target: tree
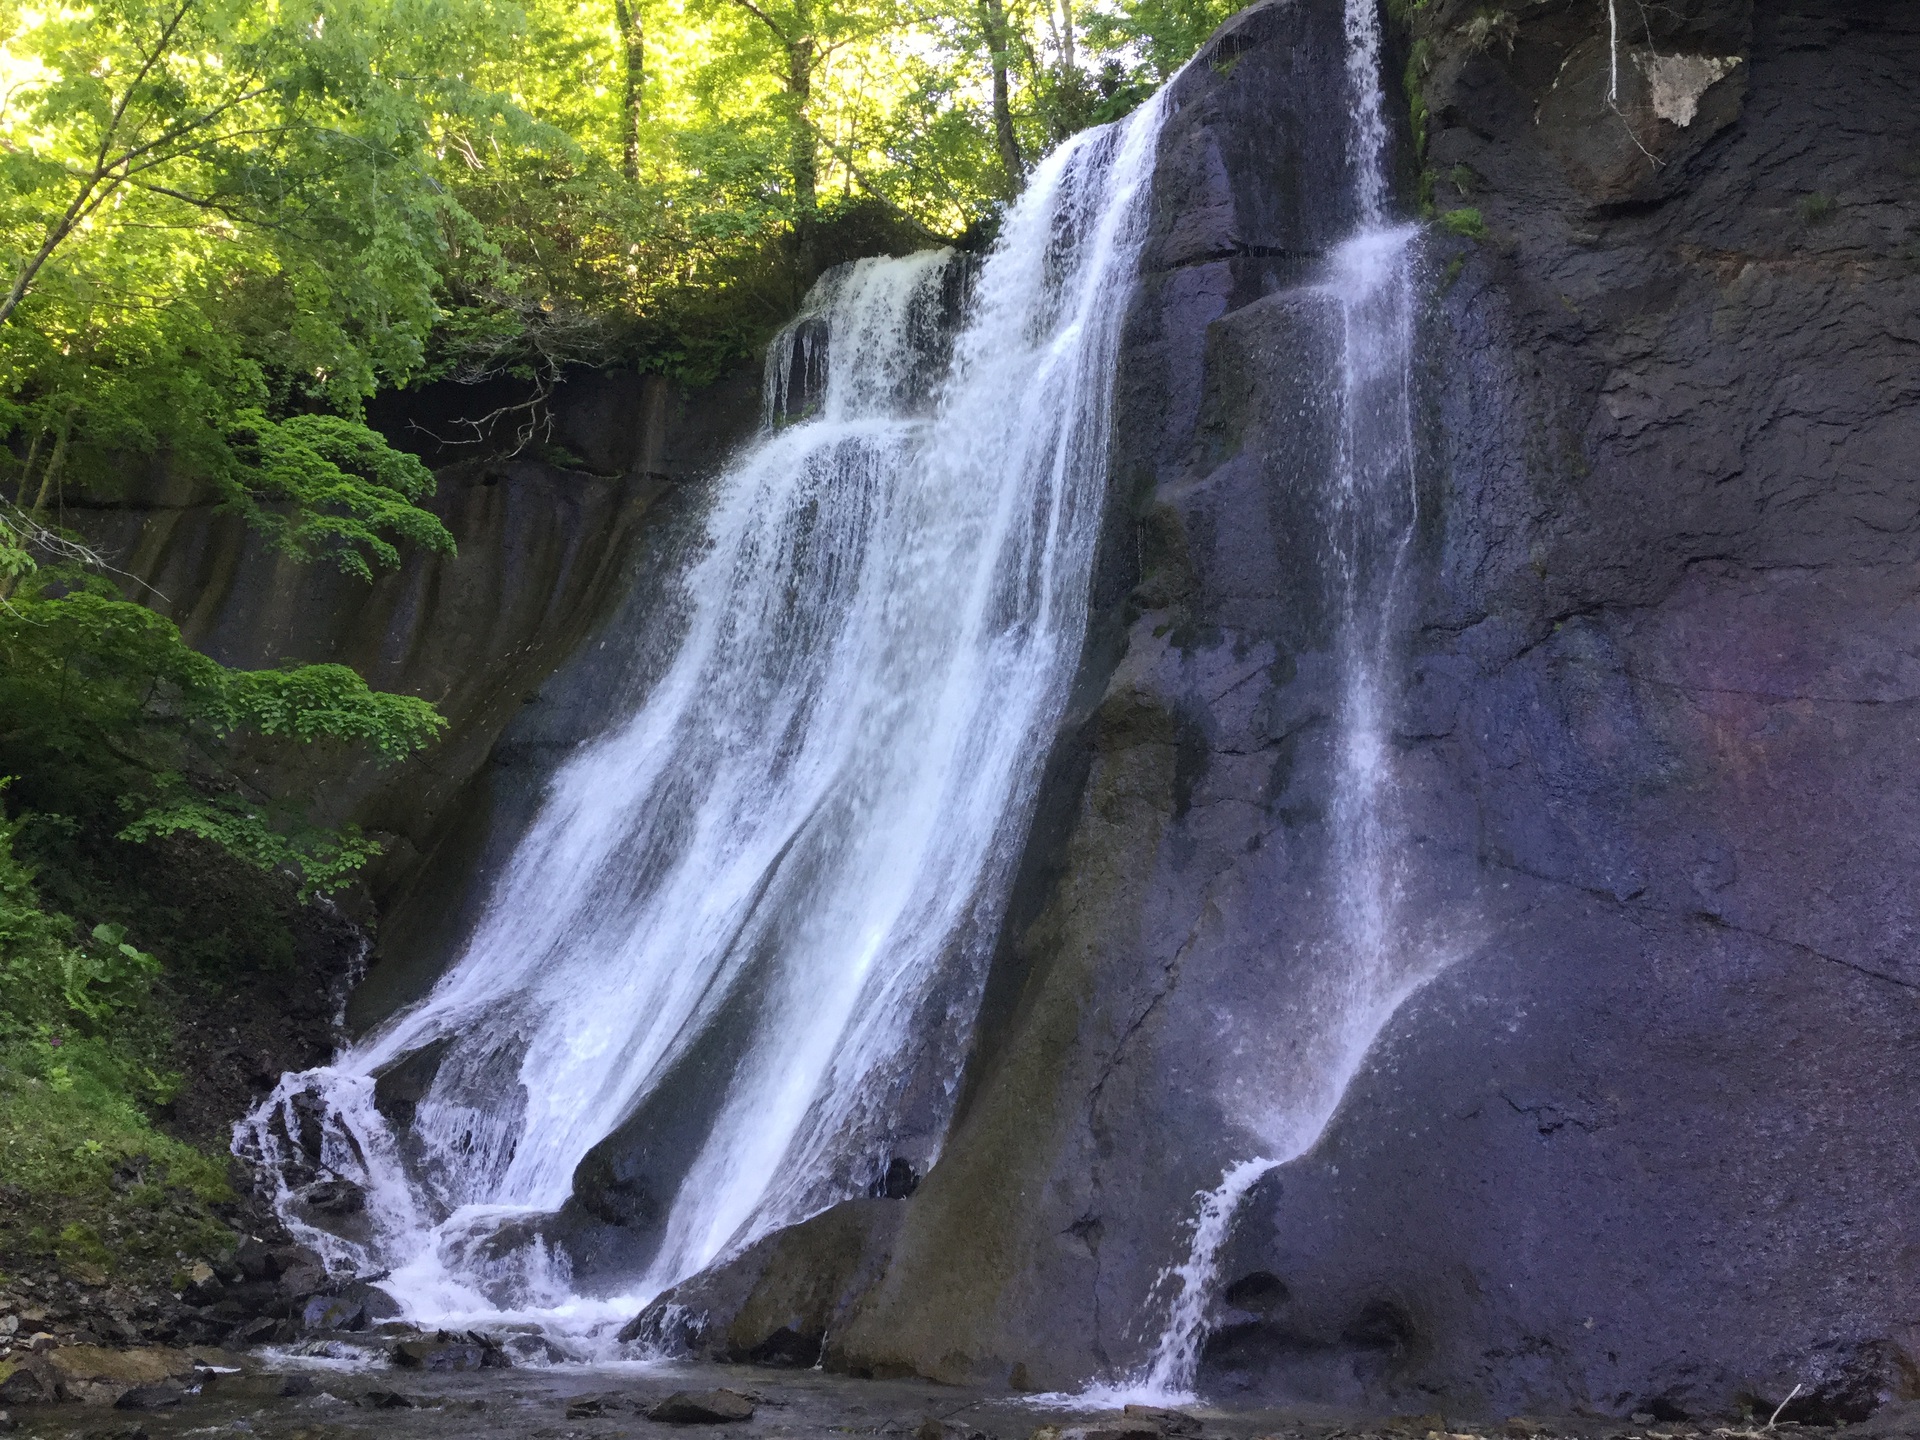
221, 215
277, 128
633, 71
798, 49
999, 41
797, 41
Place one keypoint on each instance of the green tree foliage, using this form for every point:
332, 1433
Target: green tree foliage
224, 226
216, 209
115, 729
128, 817
326, 485
687, 163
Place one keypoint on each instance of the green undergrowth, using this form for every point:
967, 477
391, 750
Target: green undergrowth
1466, 222
88, 1182
93, 1189
154, 896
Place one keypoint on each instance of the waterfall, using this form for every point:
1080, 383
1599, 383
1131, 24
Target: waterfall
786, 866
1366, 296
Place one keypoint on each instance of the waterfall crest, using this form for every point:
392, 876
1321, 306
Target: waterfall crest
784, 870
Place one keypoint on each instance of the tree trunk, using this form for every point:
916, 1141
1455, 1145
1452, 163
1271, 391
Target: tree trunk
26, 470
634, 64
993, 19
51, 479
802, 156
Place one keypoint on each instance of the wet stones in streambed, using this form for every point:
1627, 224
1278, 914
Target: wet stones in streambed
389, 1400
451, 1351
153, 1397
934, 1428
1118, 1428
702, 1407
25, 1383
591, 1407
94, 1375
1136, 1422
261, 1385
1167, 1422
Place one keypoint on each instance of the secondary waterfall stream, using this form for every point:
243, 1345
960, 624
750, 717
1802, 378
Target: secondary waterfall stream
1365, 300
786, 866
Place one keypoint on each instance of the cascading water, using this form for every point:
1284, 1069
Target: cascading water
802, 837
1366, 297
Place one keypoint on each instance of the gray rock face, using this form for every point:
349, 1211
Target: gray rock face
779, 1301
553, 541
702, 1407
1648, 1137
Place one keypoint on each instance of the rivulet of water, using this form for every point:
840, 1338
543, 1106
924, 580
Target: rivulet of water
1366, 297
803, 834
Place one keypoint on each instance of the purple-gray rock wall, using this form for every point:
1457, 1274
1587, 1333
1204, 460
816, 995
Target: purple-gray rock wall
1650, 1136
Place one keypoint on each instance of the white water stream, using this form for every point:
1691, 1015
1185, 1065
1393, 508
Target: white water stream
1367, 298
806, 828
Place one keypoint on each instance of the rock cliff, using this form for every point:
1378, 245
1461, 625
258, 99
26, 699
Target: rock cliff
556, 541
1646, 1136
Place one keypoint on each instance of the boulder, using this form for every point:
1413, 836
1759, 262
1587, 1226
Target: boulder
262, 1385
97, 1376
300, 1280
257, 1331
702, 1407
777, 1301
353, 1306
334, 1312
257, 1260
934, 1428
333, 1197
27, 1382
152, 1397
1167, 1422
448, 1351
203, 1286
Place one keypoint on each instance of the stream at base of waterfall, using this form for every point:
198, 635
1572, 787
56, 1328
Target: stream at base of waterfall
785, 868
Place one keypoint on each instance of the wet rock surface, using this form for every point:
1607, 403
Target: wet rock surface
257, 1294
272, 1401
701, 1407
779, 1301
553, 536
